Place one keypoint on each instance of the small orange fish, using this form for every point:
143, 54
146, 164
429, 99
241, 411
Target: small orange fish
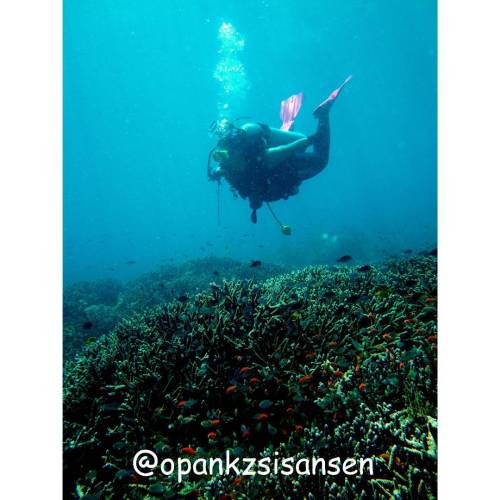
289, 409
408, 321
245, 369
181, 404
432, 338
237, 480
428, 300
304, 379
310, 355
387, 336
215, 421
298, 427
401, 364
434, 346
231, 389
188, 450
333, 343
338, 373
262, 416
362, 387
357, 369
385, 456
245, 434
254, 380
212, 435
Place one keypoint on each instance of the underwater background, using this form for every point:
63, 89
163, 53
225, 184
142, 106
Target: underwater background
143, 81
190, 331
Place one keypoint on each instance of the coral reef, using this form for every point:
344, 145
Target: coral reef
318, 362
92, 309
88, 311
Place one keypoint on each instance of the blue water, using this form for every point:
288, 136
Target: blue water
140, 94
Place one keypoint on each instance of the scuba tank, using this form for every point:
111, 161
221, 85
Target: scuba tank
251, 182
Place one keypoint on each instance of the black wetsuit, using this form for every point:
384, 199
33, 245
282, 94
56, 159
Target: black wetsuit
309, 164
259, 183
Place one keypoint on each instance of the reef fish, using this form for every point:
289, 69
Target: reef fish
365, 268
344, 258
255, 263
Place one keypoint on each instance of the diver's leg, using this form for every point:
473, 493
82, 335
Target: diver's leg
321, 139
279, 137
311, 164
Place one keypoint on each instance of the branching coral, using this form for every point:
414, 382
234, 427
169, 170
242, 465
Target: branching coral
92, 309
314, 362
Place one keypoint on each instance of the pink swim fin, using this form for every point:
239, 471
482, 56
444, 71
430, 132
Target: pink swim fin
329, 100
290, 109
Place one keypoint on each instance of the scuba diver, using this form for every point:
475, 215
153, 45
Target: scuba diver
266, 164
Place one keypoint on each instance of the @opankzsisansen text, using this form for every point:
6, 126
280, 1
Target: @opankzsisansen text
146, 463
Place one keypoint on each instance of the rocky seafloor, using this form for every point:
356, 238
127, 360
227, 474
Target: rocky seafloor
319, 362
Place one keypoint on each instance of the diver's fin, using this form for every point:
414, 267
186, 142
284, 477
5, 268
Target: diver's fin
327, 103
290, 109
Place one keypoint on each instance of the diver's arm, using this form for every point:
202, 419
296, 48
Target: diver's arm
276, 155
277, 137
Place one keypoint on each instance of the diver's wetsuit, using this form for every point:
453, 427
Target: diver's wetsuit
260, 183
309, 164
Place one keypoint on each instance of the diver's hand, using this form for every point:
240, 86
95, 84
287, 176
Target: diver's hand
311, 139
215, 173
